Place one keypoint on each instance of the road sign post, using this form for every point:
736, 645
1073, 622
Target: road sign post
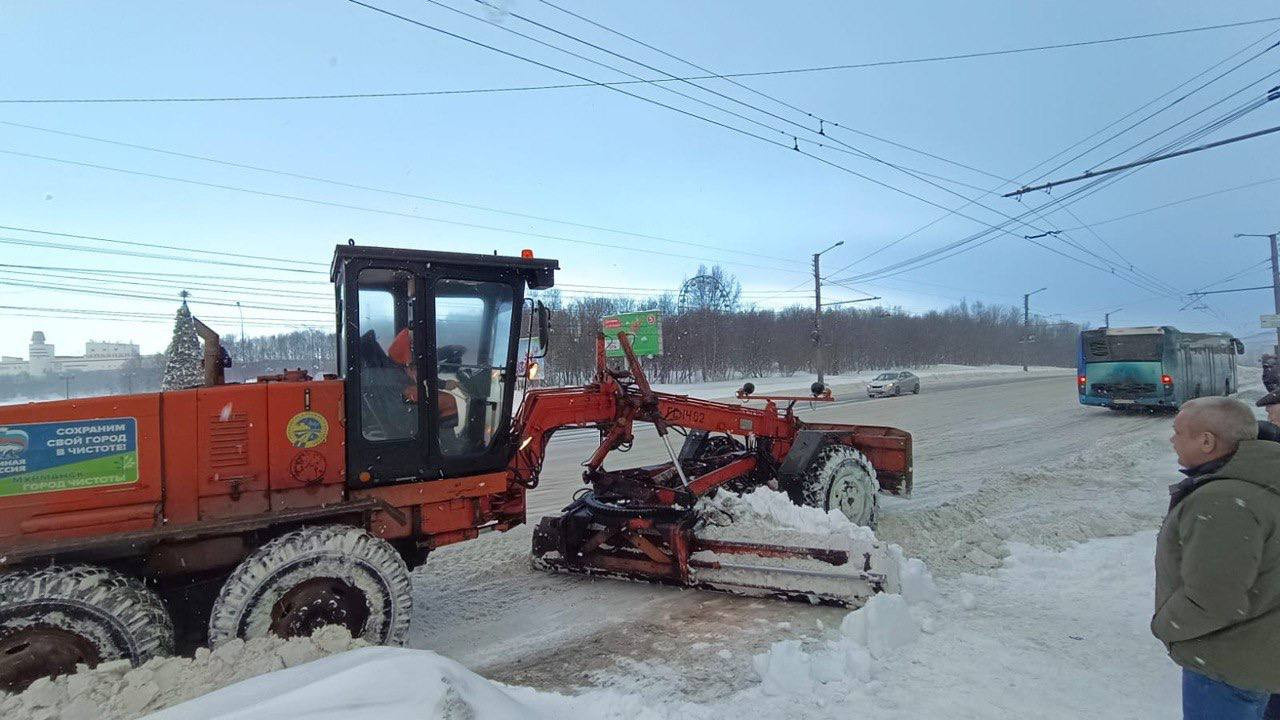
644, 327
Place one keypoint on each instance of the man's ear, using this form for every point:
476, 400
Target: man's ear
1209, 442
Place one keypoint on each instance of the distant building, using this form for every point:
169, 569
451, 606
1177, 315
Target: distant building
42, 359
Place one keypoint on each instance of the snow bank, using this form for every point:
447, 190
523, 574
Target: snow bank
117, 691
376, 683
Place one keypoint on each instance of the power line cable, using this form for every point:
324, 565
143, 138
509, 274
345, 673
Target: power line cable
1091, 136
139, 296
380, 211
134, 243
1158, 158
385, 191
133, 253
688, 113
803, 127
761, 73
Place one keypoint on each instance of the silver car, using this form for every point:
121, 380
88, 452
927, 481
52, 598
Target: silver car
893, 383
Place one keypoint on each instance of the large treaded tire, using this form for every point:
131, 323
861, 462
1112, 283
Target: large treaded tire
114, 616
362, 562
841, 478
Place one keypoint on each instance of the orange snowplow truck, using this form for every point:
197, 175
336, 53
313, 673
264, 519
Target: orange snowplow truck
131, 525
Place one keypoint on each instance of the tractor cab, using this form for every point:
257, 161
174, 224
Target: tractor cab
427, 345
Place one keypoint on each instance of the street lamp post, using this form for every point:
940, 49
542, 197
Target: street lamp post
1275, 278
817, 310
1106, 318
1026, 324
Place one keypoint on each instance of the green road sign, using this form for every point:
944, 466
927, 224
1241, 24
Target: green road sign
644, 329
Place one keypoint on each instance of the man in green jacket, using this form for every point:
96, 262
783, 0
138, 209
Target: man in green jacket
1218, 562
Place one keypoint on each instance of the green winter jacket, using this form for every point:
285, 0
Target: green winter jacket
1218, 572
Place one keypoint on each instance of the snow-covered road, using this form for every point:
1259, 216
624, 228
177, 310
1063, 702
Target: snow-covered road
998, 459
1036, 515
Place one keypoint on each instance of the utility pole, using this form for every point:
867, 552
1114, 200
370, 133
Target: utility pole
1106, 318
1026, 324
67, 379
1275, 279
817, 311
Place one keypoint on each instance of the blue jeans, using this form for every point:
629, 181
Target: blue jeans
1207, 699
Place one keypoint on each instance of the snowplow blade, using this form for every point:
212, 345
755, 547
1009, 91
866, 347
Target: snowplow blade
676, 547
845, 576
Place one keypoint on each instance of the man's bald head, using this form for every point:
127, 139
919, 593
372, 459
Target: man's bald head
1209, 428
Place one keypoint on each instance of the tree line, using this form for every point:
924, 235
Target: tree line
707, 344
711, 341
706, 336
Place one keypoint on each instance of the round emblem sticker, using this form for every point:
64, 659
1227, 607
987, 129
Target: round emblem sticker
307, 429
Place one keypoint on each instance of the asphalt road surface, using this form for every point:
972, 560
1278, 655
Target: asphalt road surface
980, 424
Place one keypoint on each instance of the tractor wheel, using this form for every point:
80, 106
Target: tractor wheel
841, 478
316, 576
57, 617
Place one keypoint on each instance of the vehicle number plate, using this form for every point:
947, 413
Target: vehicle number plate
1122, 401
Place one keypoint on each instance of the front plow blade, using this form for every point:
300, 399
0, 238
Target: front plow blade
823, 567
821, 571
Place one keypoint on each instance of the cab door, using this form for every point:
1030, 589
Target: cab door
385, 311
475, 324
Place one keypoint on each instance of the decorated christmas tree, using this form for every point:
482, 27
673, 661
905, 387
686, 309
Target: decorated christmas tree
182, 360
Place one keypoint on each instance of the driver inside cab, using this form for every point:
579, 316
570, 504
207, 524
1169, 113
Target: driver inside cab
448, 358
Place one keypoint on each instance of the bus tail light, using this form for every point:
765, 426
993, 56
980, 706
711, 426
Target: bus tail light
1080, 382
1166, 379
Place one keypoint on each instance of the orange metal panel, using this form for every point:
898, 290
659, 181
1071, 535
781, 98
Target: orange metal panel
83, 518
216, 507
451, 515
433, 491
231, 426
27, 438
181, 461
305, 497
306, 435
386, 525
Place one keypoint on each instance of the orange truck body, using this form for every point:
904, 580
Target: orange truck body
206, 460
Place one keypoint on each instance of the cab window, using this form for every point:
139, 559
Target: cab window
473, 336
388, 375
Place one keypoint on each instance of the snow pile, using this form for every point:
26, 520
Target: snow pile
870, 635
116, 691
765, 510
887, 622
375, 682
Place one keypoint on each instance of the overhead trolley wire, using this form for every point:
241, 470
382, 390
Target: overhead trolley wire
381, 211
383, 190
762, 73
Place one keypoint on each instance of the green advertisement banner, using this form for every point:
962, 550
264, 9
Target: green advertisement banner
644, 330
68, 455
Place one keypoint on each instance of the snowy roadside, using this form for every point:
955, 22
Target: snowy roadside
1044, 640
1057, 611
799, 382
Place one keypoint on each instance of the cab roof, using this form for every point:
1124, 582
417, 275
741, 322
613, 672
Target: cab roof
538, 272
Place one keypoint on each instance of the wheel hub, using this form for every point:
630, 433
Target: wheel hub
852, 497
41, 650
312, 604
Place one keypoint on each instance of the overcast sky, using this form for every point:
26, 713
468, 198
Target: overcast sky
593, 156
